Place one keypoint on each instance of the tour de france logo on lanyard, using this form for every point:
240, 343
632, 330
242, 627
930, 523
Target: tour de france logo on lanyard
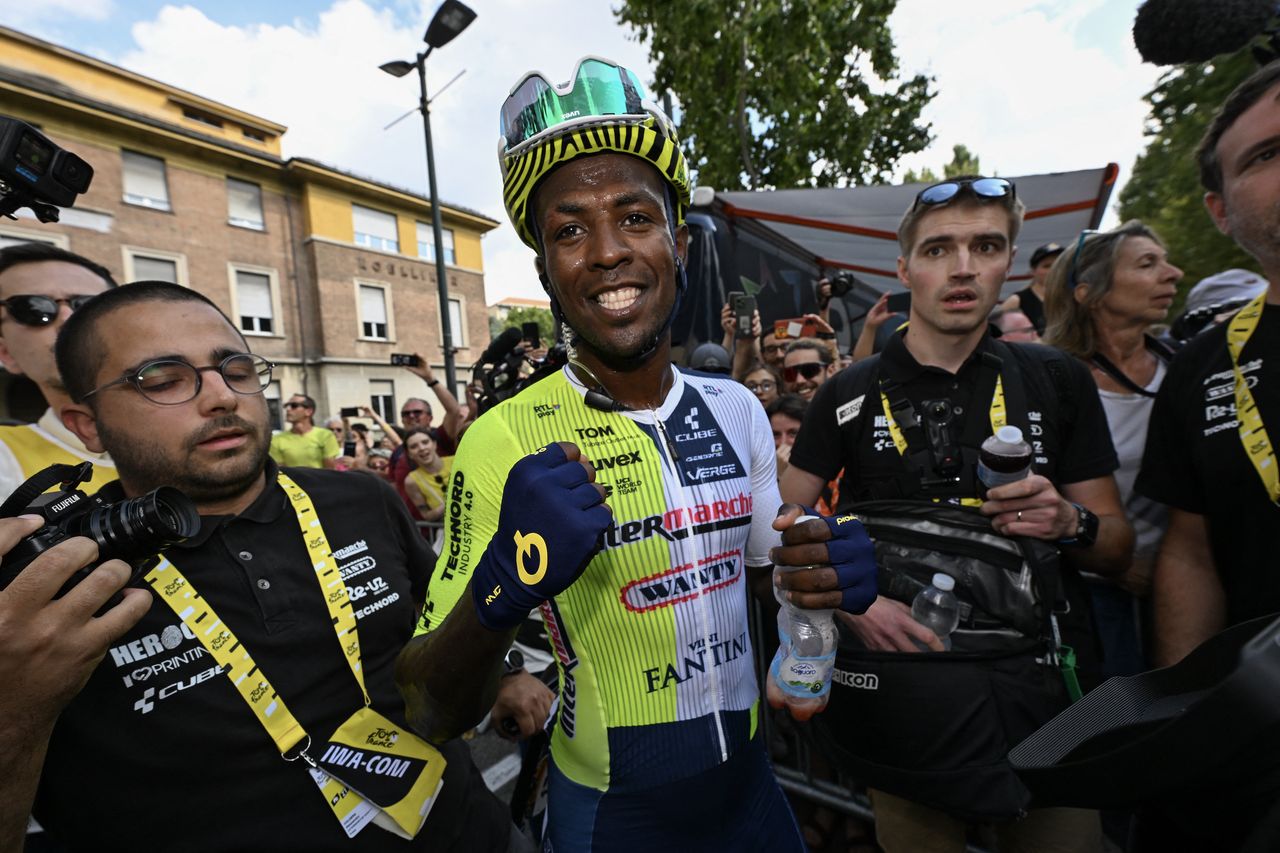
370, 770
1253, 435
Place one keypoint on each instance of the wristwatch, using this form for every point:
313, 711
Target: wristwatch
1086, 528
433, 383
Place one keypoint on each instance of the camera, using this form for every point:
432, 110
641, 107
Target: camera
37, 174
405, 359
499, 370
841, 283
134, 530
948, 458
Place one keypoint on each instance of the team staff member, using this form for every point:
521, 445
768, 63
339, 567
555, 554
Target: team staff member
302, 445
658, 693
189, 711
957, 243
1030, 300
1211, 443
40, 285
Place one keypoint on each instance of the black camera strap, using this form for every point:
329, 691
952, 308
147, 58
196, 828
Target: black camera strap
68, 476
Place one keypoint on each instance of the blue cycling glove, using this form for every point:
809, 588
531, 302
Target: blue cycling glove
852, 554
549, 527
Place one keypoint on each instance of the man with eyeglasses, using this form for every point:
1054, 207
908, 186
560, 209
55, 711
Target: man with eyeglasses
40, 285
303, 445
805, 366
882, 421
243, 688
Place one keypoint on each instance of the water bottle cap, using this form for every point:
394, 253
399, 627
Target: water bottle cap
945, 582
1009, 435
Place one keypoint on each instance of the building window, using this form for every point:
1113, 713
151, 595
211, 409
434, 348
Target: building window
274, 410
382, 399
244, 204
457, 326
144, 181
373, 312
375, 229
203, 118
427, 247
143, 264
10, 236
256, 136
253, 302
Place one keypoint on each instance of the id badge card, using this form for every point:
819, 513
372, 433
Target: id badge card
388, 766
351, 810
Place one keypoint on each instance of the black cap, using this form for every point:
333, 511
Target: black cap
1048, 250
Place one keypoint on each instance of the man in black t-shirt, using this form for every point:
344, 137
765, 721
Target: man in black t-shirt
159, 735
1215, 468
957, 248
1030, 300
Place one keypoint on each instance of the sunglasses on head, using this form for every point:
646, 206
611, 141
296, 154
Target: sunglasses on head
1075, 259
35, 310
982, 188
808, 370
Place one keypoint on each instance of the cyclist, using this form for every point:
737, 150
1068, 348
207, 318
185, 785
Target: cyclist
656, 743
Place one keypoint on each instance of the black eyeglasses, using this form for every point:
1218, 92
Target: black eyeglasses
1075, 259
171, 383
289, 405
757, 387
808, 370
414, 413
31, 309
980, 187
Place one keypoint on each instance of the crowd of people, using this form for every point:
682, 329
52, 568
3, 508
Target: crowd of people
298, 672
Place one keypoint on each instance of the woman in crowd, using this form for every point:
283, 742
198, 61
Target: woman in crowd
427, 484
1102, 296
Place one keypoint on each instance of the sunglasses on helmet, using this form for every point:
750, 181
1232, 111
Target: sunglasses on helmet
35, 310
983, 188
536, 109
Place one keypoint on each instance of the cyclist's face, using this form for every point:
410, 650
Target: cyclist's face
608, 251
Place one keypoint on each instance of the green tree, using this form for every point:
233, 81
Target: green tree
963, 162
517, 317
1164, 190
783, 94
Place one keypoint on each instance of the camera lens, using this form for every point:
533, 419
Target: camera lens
139, 527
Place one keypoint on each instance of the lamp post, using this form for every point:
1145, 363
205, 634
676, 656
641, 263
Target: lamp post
450, 19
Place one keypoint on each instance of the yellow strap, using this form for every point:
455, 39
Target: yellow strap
219, 640
1253, 435
998, 414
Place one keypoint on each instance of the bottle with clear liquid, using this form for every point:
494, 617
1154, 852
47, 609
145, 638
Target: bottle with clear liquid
800, 675
937, 608
1004, 458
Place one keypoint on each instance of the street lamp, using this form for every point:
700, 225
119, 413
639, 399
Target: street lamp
450, 19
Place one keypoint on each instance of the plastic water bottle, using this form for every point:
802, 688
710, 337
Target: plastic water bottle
800, 676
1004, 458
936, 608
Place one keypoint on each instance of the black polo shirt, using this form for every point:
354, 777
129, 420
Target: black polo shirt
845, 426
159, 750
1194, 460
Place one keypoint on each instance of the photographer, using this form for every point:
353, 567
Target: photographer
40, 286
236, 661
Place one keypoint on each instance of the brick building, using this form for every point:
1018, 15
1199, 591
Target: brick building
327, 273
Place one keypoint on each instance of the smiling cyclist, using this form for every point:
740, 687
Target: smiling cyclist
656, 744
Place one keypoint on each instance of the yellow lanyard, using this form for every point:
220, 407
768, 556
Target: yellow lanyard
217, 638
1253, 435
999, 418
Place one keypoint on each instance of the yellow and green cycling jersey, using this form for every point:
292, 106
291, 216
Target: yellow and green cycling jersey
656, 670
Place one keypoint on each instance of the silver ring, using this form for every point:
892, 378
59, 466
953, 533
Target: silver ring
1019, 515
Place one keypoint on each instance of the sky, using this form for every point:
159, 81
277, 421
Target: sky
1030, 86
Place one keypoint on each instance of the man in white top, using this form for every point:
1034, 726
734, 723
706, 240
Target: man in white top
40, 285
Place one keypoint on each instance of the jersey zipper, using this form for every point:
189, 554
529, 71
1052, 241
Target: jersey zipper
713, 676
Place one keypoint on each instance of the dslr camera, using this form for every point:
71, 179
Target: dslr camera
37, 174
841, 283
135, 530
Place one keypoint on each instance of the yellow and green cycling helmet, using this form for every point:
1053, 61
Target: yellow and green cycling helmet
602, 108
